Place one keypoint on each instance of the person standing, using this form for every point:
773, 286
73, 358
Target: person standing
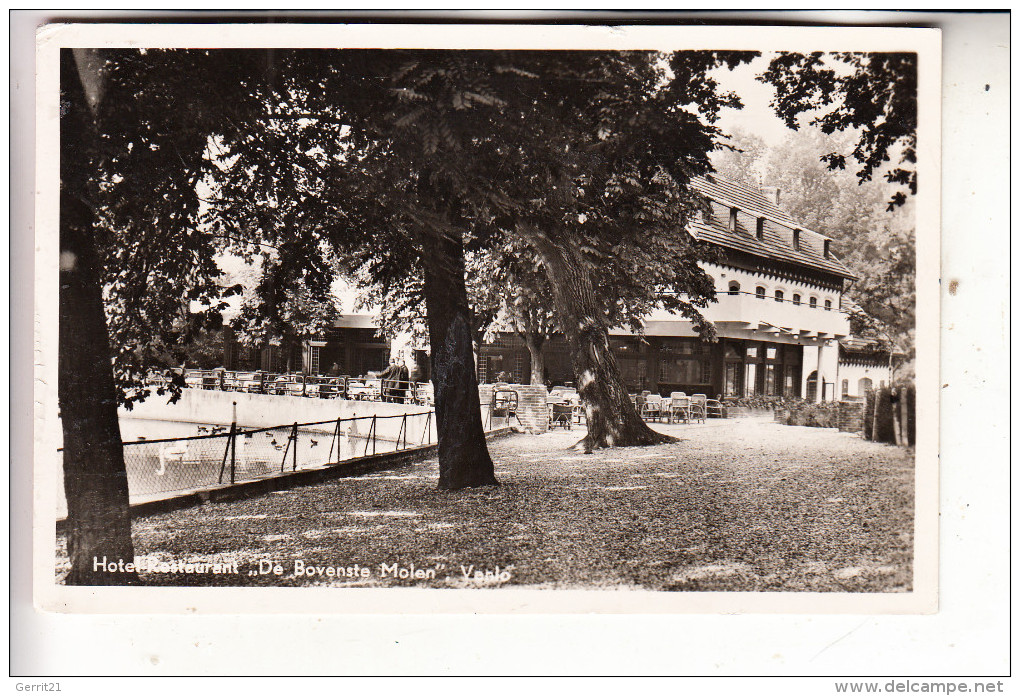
403, 382
388, 377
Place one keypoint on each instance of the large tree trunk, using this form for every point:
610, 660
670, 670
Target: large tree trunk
464, 459
95, 479
536, 347
612, 418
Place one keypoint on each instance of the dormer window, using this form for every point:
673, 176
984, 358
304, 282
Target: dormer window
827, 248
796, 239
733, 219
759, 231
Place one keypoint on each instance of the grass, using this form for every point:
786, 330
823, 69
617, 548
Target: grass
742, 505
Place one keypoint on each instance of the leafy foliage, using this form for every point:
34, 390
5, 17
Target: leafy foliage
158, 110
873, 92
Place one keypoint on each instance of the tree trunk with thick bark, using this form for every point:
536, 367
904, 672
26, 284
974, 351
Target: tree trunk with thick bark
464, 459
613, 420
95, 478
536, 347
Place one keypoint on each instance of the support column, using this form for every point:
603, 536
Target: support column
819, 381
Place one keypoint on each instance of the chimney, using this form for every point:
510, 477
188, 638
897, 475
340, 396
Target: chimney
772, 194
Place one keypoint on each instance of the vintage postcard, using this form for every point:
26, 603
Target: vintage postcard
451, 318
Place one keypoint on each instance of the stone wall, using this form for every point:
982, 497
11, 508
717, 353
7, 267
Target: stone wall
850, 416
532, 410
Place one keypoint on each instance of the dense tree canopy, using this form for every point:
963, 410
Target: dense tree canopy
875, 93
428, 157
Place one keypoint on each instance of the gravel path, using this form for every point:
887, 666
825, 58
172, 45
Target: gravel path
740, 504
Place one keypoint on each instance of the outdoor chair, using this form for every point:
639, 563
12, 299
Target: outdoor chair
652, 407
714, 407
679, 407
699, 407
561, 415
504, 405
424, 394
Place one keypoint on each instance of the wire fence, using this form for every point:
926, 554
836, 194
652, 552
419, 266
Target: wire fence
174, 464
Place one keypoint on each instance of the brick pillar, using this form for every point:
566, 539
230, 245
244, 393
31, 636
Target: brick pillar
850, 416
532, 410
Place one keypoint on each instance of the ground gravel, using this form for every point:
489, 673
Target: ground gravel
735, 505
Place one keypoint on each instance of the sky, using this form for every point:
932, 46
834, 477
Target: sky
757, 116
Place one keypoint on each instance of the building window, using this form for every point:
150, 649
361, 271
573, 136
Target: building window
779, 295
750, 378
796, 239
812, 386
483, 369
790, 387
519, 368
759, 231
733, 219
759, 292
828, 305
813, 302
731, 385
846, 387
796, 299
313, 361
863, 385
827, 248
684, 371
734, 287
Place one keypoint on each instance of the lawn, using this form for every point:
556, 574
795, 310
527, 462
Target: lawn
743, 504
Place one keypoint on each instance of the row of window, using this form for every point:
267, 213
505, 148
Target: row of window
759, 292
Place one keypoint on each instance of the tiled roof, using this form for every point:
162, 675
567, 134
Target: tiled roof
356, 321
777, 242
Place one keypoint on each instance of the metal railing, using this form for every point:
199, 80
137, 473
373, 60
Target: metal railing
340, 387
183, 463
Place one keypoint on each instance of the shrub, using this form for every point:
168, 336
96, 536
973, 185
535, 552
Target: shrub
883, 417
823, 415
869, 415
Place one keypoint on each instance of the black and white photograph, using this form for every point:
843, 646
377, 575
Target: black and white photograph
628, 320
